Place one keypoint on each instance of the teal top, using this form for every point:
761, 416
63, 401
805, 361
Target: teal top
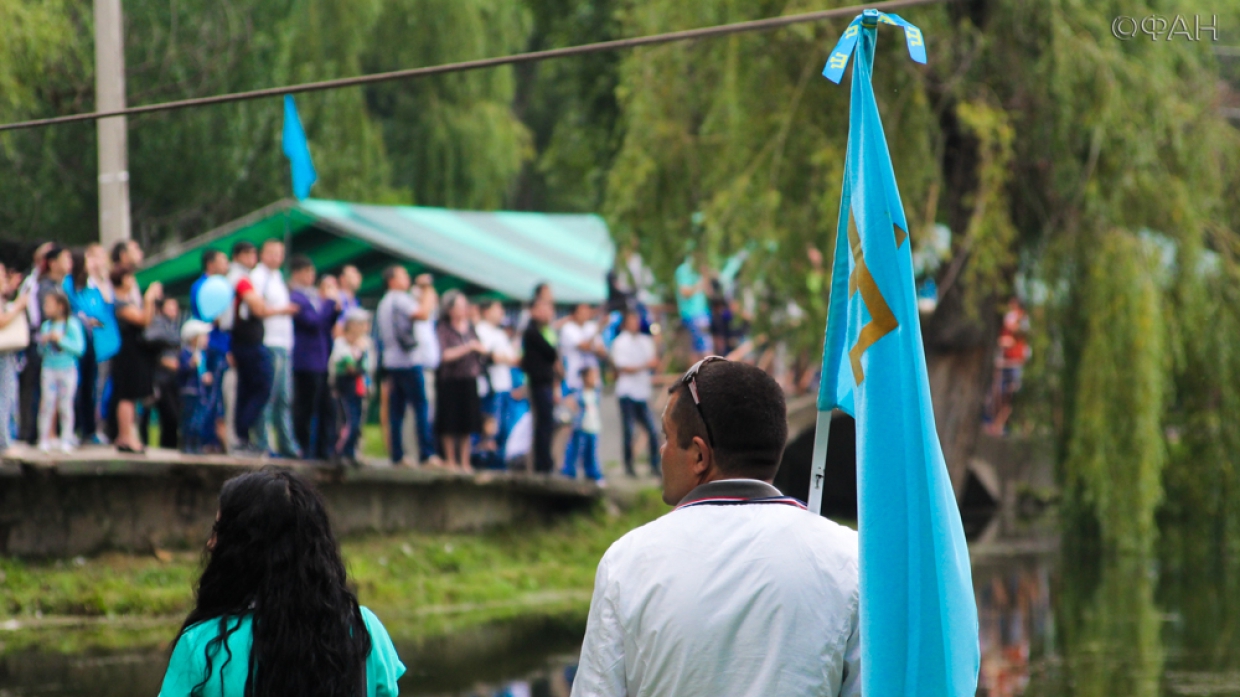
189, 663
695, 306
62, 354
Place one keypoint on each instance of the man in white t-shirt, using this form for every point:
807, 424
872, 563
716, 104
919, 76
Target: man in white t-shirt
496, 386
268, 281
581, 345
635, 357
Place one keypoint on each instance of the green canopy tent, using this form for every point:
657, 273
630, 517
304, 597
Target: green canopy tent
497, 254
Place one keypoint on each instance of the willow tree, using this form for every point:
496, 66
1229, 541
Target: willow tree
1090, 184
570, 107
453, 140
41, 69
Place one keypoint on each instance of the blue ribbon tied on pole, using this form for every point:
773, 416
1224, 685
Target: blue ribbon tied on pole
297, 150
919, 628
834, 71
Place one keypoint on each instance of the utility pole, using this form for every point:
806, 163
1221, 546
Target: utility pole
112, 132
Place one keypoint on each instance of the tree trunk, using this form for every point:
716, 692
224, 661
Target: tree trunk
960, 336
959, 380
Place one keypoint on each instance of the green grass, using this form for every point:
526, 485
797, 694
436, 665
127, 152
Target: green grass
372, 442
419, 583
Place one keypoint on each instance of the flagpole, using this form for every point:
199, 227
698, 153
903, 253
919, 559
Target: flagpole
818, 464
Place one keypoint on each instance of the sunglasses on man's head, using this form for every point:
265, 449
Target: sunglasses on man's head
690, 380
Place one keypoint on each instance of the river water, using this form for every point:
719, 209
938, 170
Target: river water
1052, 623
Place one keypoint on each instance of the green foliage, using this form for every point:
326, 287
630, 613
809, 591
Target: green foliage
990, 236
1065, 132
1108, 629
1203, 477
1115, 452
453, 140
570, 107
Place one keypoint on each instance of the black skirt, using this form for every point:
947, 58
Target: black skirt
458, 409
133, 367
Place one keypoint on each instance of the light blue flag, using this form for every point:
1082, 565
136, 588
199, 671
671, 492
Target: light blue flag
297, 150
919, 630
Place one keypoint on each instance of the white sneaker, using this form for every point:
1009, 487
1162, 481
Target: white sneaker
45, 446
67, 447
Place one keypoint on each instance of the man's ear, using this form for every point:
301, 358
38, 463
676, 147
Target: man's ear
702, 458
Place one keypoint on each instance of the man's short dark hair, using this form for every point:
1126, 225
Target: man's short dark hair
299, 262
209, 256
538, 289
389, 273
241, 247
272, 240
747, 414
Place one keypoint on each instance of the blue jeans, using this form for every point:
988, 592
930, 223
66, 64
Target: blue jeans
501, 406
198, 420
409, 388
632, 410
279, 411
254, 379
699, 333
213, 394
351, 411
8, 396
584, 446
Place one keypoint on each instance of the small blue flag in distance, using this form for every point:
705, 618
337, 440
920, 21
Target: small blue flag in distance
297, 150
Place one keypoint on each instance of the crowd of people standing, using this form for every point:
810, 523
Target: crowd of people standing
290, 365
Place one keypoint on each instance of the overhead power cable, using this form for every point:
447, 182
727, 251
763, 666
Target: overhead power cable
618, 44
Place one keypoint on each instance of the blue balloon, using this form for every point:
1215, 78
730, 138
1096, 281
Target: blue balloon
214, 296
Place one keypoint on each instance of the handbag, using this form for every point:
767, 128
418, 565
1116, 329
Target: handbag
161, 334
15, 335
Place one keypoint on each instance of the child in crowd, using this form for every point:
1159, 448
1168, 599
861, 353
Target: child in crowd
194, 383
62, 340
351, 367
586, 426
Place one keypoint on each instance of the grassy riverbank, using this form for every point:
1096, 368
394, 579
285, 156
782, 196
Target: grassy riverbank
425, 583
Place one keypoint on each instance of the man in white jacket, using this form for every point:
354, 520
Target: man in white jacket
739, 590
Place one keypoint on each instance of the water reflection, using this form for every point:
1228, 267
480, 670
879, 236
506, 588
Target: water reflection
1014, 611
1085, 624
526, 657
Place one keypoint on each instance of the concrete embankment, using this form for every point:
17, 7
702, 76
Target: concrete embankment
96, 500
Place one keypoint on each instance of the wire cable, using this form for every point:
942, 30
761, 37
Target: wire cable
615, 45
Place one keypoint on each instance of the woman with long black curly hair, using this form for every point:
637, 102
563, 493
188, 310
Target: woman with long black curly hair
274, 613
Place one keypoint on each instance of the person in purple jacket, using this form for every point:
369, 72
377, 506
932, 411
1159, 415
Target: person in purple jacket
314, 416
